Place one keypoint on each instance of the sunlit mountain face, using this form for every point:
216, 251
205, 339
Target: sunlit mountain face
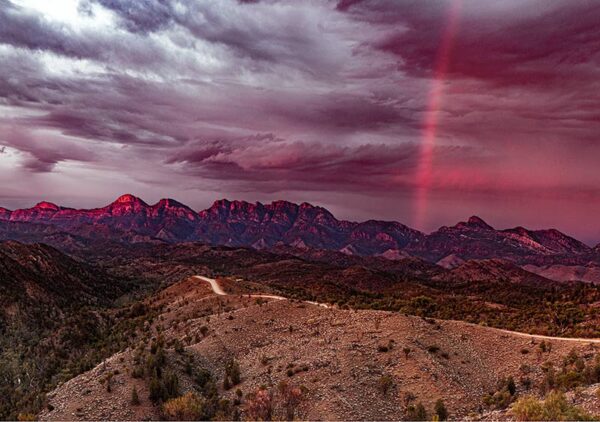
423, 112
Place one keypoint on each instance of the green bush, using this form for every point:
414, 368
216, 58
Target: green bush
189, 407
554, 408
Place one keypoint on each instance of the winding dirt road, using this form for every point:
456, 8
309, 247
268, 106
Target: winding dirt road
219, 291
213, 283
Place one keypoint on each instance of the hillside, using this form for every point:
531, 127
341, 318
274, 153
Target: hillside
346, 365
78, 310
54, 318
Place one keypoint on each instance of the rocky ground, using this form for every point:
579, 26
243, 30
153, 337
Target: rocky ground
340, 358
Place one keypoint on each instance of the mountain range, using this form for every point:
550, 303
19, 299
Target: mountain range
285, 224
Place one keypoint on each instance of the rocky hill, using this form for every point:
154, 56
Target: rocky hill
311, 362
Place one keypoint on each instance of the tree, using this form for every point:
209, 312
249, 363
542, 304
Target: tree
155, 393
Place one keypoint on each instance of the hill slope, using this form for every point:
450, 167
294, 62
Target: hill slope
348, 365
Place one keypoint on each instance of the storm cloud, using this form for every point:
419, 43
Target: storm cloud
326, 101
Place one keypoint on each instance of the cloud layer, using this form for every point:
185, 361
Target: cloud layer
313, 100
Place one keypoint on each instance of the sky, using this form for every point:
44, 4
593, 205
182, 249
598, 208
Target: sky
424, 112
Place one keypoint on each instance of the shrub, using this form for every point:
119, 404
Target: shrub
503, 396
416, 413
178, 346
554, 408
232, 374
382, 348
135, 400
406, 351
259, 406
433, 349
155, 391
545, 347
165, 388
440, 410
202, 377
171, 386
385, 383
290, 398
189, 407
138, 372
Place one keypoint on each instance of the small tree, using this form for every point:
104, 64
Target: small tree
510, 386
440, 410
417, 413
170, 386
385, 383
204, 330
109, 378
232, 374
155, 390
135, 400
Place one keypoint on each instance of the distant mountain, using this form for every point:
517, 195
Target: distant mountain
475, 239
238, 223
230, 223
286, 224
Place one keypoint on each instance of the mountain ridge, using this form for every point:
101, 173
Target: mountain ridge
282, 223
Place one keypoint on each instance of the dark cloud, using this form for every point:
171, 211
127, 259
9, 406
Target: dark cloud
42, 153
554, 45
275, 164
287, 98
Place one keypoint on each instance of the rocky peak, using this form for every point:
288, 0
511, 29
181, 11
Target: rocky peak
319, 214
170, 203
478, 222
129, 199
46, 206
126, 204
